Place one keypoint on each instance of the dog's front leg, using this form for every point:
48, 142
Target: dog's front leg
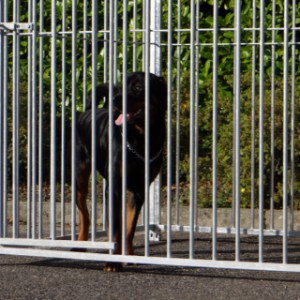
133, 210
84, 220
81, 193
115, 206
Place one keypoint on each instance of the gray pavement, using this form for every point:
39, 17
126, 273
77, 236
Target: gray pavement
28, 278
40, 278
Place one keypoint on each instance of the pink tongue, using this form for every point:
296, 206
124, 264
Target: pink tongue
119, 120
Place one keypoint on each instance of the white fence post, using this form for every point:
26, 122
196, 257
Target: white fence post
155, 68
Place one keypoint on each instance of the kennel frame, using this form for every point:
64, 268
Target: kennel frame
152, 31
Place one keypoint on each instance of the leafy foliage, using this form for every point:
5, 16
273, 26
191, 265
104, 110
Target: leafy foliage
181, 82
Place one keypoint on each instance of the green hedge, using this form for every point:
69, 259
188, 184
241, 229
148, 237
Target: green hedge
205, 63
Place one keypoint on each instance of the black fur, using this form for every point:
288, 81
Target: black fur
136, 140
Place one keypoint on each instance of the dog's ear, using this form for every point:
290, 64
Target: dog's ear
102, 93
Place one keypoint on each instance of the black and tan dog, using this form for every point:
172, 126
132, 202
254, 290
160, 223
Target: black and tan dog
135, 151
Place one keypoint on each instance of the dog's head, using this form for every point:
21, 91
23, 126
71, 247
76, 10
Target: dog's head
136, 100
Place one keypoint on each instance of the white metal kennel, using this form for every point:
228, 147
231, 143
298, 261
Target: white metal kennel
234, 66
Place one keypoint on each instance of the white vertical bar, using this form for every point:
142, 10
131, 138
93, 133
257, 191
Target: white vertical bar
105, 71
169, 130
261, 130
147, 121
233, 207
29, 124
85, 45
94, 109
115, 74
124, 128
192, 131
34, 117
143, 4
155, 68
197, 56
63, 116
215, 129
53, 123
144, 26
134, 54
106, 41
237, 126
41, 92
178, 90
4, 110
1, 115
74, 95
110, 119
253, 79
16, 87
273, 47
293, 96
285, 127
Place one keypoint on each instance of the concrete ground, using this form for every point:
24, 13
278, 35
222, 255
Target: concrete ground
33, 278
49, 278
44, 278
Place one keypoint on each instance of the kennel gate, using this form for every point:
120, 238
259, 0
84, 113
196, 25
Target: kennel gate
52, 55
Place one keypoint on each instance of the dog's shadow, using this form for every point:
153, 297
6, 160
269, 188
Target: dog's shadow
146, 270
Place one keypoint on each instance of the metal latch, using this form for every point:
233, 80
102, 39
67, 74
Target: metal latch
16, 26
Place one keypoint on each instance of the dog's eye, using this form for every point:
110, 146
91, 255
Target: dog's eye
137, 88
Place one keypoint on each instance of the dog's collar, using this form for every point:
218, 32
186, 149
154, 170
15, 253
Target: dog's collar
138, 155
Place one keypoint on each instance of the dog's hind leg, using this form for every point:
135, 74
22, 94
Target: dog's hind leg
114, 224
82, 183
133, 210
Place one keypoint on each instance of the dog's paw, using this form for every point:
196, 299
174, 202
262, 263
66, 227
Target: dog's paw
113, 267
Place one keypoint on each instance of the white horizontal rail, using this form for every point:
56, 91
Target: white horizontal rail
56, 244
199, 263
